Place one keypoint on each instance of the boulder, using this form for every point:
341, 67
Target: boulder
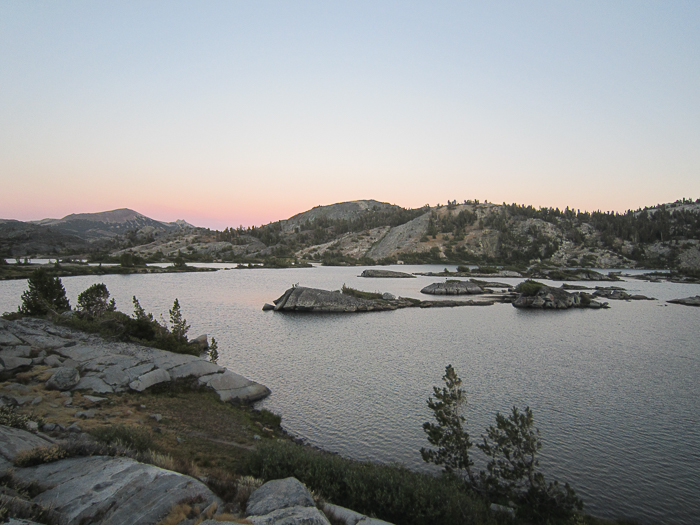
195, 368
387, 274
201, 342
350, 517
13, 441
52, 361
453, 288
8, 339
279, 494
64, 378
102, 489
292, 516
10, 363
149, 379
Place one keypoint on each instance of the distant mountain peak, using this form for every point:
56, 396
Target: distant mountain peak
113, 216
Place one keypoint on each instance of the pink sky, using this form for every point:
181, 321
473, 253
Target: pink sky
235, 113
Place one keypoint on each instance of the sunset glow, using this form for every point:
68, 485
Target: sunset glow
230, 113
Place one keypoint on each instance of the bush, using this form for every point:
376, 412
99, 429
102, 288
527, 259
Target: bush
360, 294
40, 455
10, 418
45, 294
529, 287
135, 438
93, 302
391, 493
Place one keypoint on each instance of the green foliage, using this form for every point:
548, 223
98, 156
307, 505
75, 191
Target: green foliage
392, 493
266, 418
511, 448
142, 328
360, 294
94, 302
45, 294
139, 313
529, 287
463, 269
449, 434
178, 324
214, 351
10, 418
40, 456
179, 262
135, 438
126, 260
511, 475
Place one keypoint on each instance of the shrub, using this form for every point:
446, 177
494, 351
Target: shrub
40, 455
134, 438
463, 269
214, 351
10, 418
93, 302
529, 287
45, 294
360, 294
179, 326
391, 493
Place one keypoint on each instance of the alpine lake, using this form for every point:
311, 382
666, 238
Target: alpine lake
615, 392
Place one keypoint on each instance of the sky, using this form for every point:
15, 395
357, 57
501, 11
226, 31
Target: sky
228, 113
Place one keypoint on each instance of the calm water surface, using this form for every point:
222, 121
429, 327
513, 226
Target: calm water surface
615, 393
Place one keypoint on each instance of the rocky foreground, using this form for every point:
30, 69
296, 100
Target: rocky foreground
59, 474
80, 361
119, 490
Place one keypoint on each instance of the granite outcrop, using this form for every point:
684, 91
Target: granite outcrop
80, 361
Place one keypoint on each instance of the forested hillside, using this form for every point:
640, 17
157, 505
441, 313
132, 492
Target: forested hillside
371, 232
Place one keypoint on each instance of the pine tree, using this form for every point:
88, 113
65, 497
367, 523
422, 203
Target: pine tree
179, 326
449, 434
44, 294
213, 351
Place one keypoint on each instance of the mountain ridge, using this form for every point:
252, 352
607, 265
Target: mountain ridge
370, 231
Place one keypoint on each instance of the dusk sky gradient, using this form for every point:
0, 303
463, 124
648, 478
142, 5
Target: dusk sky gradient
246, 112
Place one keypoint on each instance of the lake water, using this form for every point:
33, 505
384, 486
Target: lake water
615, 393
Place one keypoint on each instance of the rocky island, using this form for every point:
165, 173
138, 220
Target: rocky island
454, 287
387, 274
548, 298
687, 301
314, 300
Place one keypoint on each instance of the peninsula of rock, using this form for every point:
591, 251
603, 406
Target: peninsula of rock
80, 361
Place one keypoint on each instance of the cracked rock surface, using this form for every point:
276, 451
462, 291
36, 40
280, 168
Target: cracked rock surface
87, 362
